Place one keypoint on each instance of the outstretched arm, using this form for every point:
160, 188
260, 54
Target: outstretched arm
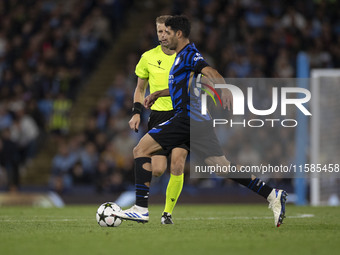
216, 78
150, 99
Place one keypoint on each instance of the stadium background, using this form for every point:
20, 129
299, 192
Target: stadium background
67, 80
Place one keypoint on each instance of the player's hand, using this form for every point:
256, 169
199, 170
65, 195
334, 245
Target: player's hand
227, 99
149, 100
134, 122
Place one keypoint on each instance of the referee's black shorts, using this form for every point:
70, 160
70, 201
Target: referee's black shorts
157, 118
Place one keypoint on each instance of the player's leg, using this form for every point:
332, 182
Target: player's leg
275, 197
253, 183
168, 135
205, 144
143, 171
158, 164
143, 174
159, 160
175, 185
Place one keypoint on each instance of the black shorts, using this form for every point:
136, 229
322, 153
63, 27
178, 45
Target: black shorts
157, 118
200, 135
203, 140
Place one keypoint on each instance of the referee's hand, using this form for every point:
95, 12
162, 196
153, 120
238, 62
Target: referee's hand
134, 122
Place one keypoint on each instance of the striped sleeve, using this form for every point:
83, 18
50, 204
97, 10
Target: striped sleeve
197, 62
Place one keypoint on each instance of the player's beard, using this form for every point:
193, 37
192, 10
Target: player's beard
172, 45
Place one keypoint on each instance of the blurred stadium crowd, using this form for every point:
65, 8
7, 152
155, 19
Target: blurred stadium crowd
46, 52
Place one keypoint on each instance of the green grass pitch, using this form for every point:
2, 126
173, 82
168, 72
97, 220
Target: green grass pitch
198, 229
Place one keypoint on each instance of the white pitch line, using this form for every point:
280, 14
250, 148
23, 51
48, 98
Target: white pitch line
45, 220
299, 216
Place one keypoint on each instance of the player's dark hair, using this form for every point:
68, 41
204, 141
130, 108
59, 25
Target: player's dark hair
179, 22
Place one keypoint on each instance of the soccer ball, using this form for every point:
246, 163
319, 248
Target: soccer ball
105, 215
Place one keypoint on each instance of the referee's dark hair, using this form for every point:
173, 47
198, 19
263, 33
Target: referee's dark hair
179, 22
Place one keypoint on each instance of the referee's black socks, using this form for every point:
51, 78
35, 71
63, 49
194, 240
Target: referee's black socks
256, 185
142, 176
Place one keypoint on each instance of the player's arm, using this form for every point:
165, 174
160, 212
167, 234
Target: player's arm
150, 99
216, 78
138, 99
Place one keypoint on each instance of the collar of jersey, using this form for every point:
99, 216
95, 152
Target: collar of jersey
184, 48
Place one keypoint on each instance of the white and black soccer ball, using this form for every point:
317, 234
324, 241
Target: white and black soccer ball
106, 217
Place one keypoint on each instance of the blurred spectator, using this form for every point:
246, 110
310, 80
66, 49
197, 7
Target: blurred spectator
59, 122
255, 16
62, 164
283, 68
101, 26
45, 106
88, 158
91, 129
5, 118
100, 141
38, 117
25, 133
240, 66
292, 18
102, 113
117, 93
107, 179
125, 142
9, 159
87, 46
102, 179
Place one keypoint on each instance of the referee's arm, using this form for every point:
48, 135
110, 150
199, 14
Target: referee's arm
138, 99
139, 94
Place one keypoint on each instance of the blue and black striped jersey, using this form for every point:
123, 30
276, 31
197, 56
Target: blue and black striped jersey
182, 77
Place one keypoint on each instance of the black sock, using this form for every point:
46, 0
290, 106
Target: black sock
256, 185
141, 177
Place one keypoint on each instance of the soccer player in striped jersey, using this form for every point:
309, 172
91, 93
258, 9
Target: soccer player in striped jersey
188, 64
153, 70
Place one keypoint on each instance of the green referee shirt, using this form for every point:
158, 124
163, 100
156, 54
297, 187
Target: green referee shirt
155, 66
